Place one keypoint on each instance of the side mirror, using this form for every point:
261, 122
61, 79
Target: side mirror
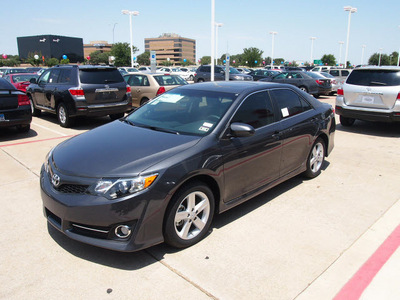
33, 80
241, 130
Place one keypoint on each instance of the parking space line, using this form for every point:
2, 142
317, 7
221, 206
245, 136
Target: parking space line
354, 288
37, 141
44, 127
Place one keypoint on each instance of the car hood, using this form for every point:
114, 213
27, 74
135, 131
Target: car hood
117, 149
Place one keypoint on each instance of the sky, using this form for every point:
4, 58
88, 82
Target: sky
245, 24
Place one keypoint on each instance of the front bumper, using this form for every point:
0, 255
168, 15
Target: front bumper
93, 219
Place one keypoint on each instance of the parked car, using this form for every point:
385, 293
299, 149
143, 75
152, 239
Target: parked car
258, 74
20, 80
144, 69
243, 70
3, 70
160, 173
324, 84
339, 74
371, 94
203, 73
174, 71
15, 70
70, 90
190, 73
128, 69
145, 87
15, 109
334, 83
321, 68
301, 79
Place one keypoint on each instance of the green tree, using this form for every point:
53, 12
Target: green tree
374, 59
252, 56
144, 59
393, 58
64, 61
205, 60
51, 62
328, 59
98, 57
122, 54
166, 63
32, 60
278, 61
187, 63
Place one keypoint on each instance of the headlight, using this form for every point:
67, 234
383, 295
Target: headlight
117, 188
46, 160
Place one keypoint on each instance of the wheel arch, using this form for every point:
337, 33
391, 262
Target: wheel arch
325, 139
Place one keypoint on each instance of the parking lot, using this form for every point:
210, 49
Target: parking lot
304, 239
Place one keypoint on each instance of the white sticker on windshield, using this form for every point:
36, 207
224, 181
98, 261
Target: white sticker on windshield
208, 125
170, 98
205, 129
285, 112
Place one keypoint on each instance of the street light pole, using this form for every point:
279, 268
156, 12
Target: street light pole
362, 54
350, 10
380, 55
130, 13
398, 56
113, 31
273, 33
312, 48
216, 41
340, 52
212, 38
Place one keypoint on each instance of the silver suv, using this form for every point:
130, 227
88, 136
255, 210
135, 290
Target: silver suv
371, 94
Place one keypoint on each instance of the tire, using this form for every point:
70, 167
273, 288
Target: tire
189, 215
347, 122
143, 101
116, 116
191, 78
200, 80
35, 112
23, 128
315, 159
303, 88
63, 116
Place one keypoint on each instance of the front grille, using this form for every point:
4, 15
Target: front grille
72, 188
90, 231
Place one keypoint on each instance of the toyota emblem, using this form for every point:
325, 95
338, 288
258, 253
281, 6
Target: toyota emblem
55, 180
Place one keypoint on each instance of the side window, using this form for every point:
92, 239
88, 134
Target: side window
134, 80
256, 110
44, 78
145, 81
334, 72
65, 76
54, 76
289, 103
345, 73
205, 69
281, 76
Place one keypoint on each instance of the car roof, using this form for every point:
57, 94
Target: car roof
393, 68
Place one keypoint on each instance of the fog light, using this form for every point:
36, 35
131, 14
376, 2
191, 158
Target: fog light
123, 231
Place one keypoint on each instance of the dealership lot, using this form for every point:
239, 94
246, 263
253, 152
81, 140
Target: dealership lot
304, 239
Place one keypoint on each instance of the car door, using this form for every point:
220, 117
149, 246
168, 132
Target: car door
299, 125
251, 163
38, 90
50, 88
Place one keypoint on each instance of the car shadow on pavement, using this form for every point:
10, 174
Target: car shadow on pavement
80, 123
12, 134
146, 257
381, 129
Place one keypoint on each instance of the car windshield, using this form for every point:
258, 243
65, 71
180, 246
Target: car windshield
23, 78
164, 80
374, 77
183, 111
233, 71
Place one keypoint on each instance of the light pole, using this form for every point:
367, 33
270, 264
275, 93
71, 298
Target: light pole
380, 55
362, 54
273, 33
216, 41
113, 31
312, 48
398, 56
340, 52
212, 38
351, 10
130, 13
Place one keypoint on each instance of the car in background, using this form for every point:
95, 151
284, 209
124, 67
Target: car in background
34, 69
191, 72
165, 170
203, 73
144, 69
324, 84
15, 108
339, 74
145, 87
371, 94
15, 70
3, 70
300, 79
243, 70
258, 74
70, 91
128, 69
321, 68
20, 80
174, 71
334, 83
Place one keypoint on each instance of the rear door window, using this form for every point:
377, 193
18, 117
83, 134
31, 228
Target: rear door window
100, 76
289, 103
374, 77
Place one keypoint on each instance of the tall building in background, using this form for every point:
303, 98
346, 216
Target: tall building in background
49, 46
102, 46
172, 47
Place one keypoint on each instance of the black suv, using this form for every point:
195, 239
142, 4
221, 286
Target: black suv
203, 73
71, 90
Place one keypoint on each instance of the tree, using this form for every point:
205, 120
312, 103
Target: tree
205, 60
328, 59
278, 61
122, 54
187, 63
144, 58
32, 60
64, 61
374, 59
252, 56
98, 57
51, 62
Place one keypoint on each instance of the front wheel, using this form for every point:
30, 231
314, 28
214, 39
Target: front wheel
189, 216
315, 159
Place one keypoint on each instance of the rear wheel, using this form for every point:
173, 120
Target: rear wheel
35, 112
303, 88
143, 101
347, 122
24, 128
315, 159
189, 216
63, 115
200, 80
191, 78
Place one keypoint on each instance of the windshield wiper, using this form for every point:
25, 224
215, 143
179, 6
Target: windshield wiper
160, 129
127, 121
377, 83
